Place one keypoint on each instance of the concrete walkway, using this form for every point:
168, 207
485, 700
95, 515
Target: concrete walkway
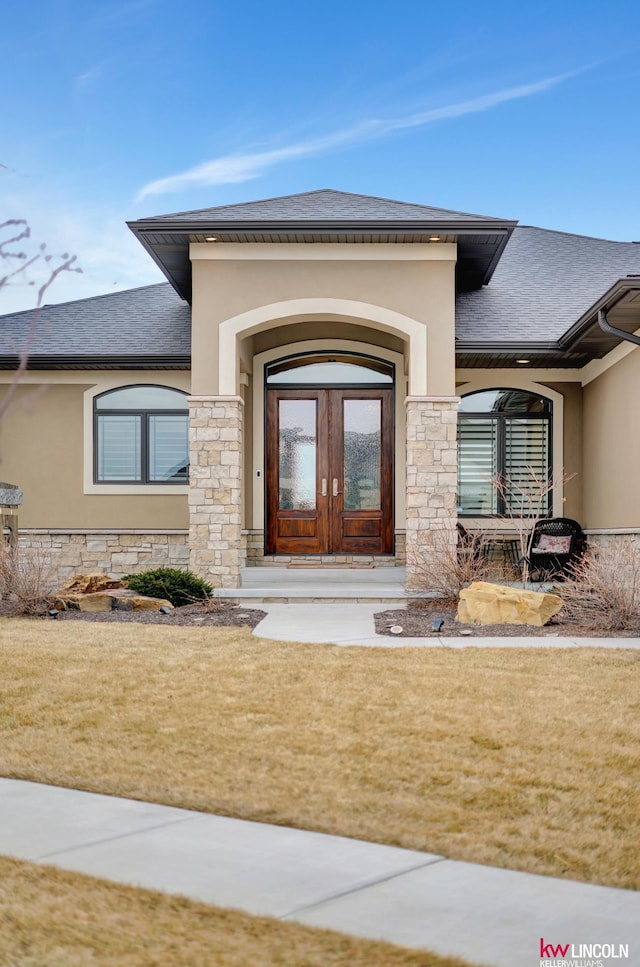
352, 624
482, 914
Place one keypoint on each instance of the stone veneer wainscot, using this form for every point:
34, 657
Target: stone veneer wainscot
215, 489
432, 477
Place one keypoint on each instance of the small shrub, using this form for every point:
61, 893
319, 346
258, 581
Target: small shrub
447, 566
604, 589
26, 578
178, 587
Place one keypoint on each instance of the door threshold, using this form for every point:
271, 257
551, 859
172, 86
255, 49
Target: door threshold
345, 567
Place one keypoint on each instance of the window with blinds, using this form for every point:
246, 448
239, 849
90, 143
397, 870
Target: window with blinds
503, 434
141, 435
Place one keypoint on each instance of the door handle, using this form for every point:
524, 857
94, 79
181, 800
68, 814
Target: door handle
335, 487
324, 487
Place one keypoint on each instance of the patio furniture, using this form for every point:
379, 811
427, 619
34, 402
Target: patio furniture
469, 545
557, 544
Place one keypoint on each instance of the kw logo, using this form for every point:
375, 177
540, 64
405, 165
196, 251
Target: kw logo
549, 951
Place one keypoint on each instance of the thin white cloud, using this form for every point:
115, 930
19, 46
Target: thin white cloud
82, 81
234, 168
110, 257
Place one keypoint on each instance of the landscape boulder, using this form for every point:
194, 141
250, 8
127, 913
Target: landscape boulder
494, 604
99, 592
88, 583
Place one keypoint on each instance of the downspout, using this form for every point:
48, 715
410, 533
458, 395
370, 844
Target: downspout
606, 326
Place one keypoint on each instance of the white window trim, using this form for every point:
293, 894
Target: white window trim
512, 379
116, 381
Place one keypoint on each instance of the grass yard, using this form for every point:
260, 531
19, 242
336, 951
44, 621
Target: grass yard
527, 759
60, 919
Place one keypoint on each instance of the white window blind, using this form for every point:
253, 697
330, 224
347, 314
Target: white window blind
477, 466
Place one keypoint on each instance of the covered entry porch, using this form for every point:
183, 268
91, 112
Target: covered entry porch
324, 457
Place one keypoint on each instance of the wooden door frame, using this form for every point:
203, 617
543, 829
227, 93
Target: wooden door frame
272, 491
330, 516
363, 543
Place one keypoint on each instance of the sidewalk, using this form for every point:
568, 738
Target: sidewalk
352, 624
482, 914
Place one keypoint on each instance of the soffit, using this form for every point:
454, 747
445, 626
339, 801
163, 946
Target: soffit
325, 217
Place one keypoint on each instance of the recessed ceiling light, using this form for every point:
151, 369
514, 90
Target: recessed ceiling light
211, 238
523, 361
434, 238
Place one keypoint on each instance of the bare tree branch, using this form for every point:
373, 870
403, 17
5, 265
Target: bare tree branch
17, 261
526, 499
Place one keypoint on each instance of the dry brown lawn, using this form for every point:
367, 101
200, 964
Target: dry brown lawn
52, 918
527, 759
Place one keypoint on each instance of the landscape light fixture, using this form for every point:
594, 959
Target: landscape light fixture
438, 624
53, 613
165, 609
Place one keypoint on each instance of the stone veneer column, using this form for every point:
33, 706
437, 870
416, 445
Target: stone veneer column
432, 480
215, 489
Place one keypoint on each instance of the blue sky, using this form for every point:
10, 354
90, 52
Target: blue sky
117, 110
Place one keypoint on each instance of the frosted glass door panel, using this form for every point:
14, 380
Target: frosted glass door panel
362, 440
297, 454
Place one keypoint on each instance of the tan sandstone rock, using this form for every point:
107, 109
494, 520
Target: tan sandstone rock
494, 604
88, 583
120, 599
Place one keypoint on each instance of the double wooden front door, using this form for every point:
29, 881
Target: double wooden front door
329, 471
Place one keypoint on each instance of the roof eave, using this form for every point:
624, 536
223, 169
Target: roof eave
129, 361
329, 225
588, 321
145, 229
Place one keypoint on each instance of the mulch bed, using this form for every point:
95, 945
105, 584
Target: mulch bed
417, 622
191, 615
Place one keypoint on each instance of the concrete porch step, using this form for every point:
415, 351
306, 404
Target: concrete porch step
320, 585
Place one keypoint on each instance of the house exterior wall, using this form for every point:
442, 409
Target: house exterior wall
571, 456
118, 552
420, 288
612, 446
43, 451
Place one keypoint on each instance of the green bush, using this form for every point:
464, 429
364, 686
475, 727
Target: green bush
178, 587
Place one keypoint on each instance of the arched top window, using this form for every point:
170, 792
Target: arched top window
141, 435
503, 434
330, 369
143, 398
516, 402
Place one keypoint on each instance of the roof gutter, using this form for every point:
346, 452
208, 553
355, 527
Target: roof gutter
606, 326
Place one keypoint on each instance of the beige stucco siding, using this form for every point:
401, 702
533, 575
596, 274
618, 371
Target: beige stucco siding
41, 450
571, 457
612, 446
418, 290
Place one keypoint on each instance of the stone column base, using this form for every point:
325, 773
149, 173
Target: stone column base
432, 483
215, 489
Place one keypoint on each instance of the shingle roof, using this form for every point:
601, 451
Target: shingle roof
151, 321
325, 203
324, 216
544, 282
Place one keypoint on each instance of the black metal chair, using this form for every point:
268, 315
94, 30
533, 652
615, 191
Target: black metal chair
557, 544
469, 545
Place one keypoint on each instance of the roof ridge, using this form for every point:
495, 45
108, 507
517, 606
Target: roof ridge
87, 298
102, 295
320, 191
238, 204
593, 238
415, 204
